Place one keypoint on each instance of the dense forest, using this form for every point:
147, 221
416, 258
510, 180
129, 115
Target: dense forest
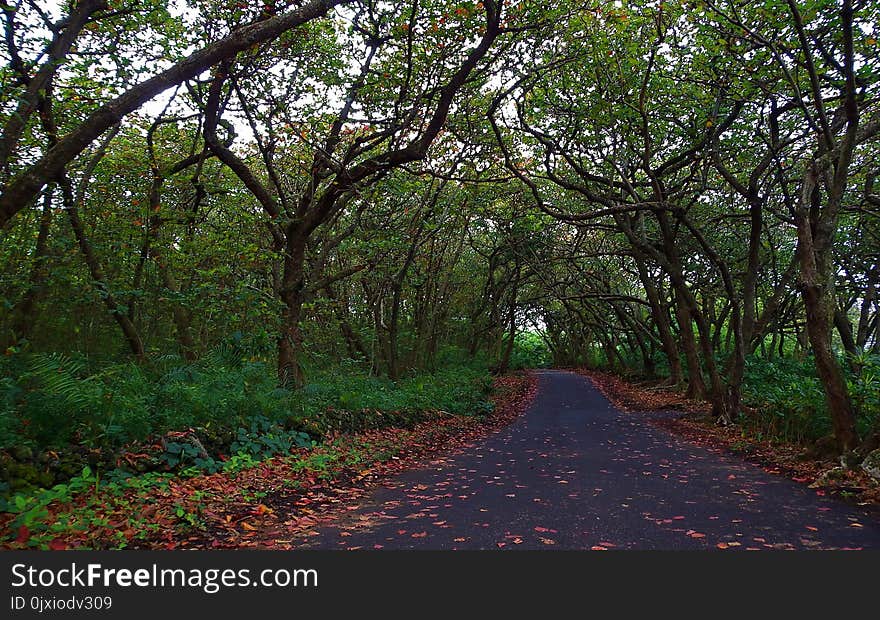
262, 222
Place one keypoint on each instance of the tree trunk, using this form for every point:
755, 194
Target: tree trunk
661, 320
353, 342
750, 278
868, 298
180, 315
393, 336
696, 388
290, 339
382, 355
504, 362
819, 305
23, 314
844, 329
130, 333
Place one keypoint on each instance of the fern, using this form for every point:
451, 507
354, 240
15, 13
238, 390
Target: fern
59, 376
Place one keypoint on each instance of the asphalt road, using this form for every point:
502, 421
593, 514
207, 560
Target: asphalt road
575, 473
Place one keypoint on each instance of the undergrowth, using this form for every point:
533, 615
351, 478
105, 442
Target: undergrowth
789, 404
59, 413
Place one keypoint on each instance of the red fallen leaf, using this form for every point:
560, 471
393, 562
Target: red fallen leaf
57, 545
262, 509
420, 534
23, 534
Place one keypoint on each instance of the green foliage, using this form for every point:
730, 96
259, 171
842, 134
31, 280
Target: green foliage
61, 402
864, 387
31, 508
265, 439
228, 399
788, 397
790, 402
216, 393
530, 351
337, 402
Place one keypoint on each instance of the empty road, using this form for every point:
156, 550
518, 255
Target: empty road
575, 473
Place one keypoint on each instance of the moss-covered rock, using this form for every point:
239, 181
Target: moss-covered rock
871, 465
21, 453
829, 477
20, 476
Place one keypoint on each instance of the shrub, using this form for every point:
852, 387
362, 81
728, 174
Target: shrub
530, 351
228, 400
790, 402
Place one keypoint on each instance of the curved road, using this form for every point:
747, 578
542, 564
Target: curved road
575, 473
